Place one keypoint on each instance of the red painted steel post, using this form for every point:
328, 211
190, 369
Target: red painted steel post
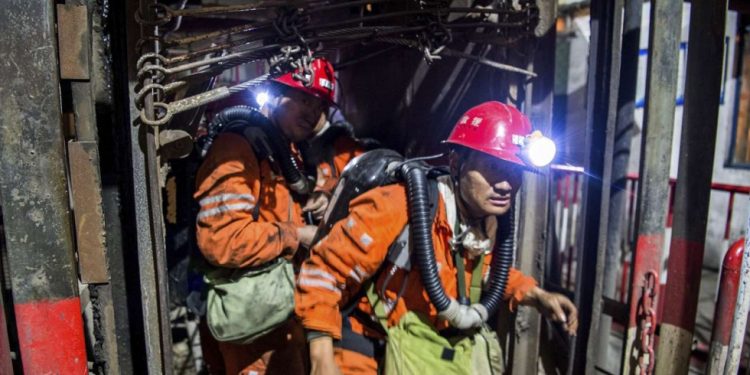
691, 195
34, 195
656, 149
727, 301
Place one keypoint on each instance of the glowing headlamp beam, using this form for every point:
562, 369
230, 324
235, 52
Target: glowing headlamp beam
540, 151
261, 98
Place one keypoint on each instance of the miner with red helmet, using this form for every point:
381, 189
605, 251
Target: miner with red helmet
396, 310
251, 214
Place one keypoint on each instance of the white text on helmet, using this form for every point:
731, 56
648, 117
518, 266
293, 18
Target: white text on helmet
325, 83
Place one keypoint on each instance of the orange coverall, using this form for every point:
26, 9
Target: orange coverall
230, 183
228, 187
345, 148
354, 250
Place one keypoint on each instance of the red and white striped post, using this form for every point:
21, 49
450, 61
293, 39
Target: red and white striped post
727, 301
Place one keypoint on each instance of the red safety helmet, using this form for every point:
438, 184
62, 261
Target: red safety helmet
322, 83
493, 128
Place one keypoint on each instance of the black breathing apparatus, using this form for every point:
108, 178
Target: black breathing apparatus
384, 167
266, 140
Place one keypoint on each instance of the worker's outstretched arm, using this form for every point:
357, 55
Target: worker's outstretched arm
555, 307
344, 260
348, 256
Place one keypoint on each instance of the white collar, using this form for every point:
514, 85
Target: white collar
475, 240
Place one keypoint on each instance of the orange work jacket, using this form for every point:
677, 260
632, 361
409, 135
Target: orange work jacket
345, 148
357, 246
230, 185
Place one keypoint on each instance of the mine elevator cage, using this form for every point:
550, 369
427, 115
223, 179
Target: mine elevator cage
101, 102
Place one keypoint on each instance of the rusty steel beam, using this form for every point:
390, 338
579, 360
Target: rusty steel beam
89, 219
90, 93
34, 193
74, 41
699, 127
653, 189
603, 81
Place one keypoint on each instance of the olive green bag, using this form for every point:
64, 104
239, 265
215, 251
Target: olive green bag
415, 347
245, 304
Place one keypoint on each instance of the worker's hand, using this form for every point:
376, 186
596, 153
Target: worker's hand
321, 357
317, 204
305, 235
555, 307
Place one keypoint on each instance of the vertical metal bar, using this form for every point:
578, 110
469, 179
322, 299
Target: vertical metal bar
153, 191
699, 126
113, 29
603, 82
6, 361
728, 223
149, 221
160, 256
653, 189
739, 322
34, 195
534, 211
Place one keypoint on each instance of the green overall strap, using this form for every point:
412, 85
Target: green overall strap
475, 290
458, 260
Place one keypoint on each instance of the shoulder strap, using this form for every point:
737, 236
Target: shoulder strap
261, 150
399, 254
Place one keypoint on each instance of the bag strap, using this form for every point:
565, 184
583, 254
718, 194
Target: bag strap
262, 152
397, 250
378, 305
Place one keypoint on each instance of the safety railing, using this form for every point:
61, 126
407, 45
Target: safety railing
567, 211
